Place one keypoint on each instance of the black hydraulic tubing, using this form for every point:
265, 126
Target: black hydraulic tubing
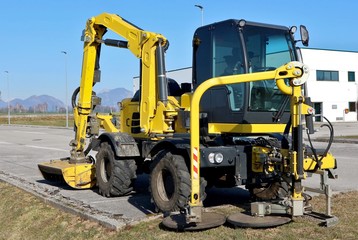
116, 43
298, 139
74, 96
331, 130
161, 74
281, 110
313, 149
285, 143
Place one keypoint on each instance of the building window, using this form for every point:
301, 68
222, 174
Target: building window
351, 76
352, 106
327, 75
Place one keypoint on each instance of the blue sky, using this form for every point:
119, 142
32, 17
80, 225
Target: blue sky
35, 32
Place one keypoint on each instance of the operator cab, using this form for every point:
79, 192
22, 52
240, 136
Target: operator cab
235, 47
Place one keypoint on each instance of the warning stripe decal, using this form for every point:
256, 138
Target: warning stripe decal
195, 163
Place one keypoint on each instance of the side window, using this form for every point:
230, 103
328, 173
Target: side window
236, 96
227, 52
228, 60
267, 49
276, 51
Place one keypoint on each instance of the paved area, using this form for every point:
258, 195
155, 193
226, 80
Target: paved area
23, 147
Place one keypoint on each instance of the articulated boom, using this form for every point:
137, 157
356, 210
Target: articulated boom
142, 44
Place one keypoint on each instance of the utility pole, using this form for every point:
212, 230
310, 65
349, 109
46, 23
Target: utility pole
8, 98
202, 13
66, 100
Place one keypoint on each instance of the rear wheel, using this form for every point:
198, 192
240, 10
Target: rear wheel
170, 183
114, 176
270, 191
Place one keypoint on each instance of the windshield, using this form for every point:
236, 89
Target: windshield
267, 49
227, 49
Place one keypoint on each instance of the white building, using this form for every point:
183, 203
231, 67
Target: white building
332, 85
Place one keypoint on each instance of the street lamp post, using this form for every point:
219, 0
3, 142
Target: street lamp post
66, 100
202, 13
8, 98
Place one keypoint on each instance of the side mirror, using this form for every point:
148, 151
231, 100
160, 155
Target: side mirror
304, 35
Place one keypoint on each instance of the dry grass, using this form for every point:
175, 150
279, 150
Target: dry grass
58, 120
23, 216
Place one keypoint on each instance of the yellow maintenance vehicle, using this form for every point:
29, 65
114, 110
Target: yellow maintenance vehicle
239, 123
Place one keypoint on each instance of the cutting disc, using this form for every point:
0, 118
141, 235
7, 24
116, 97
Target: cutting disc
209, 220
247, 221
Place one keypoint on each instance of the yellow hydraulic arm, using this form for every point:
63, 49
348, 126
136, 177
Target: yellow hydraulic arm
141, 43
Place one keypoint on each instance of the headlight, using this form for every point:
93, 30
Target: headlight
211, 157
216, 158
219, 158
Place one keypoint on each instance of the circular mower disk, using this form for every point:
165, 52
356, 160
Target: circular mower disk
209, 220
244, 220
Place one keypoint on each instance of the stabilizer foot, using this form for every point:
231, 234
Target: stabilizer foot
178, 222
245, 220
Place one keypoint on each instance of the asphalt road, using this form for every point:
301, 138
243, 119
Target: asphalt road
23, 147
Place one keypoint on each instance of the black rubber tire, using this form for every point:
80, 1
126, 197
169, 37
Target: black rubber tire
115, 176
170, 183
270, 191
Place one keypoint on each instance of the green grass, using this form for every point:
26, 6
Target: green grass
23, 216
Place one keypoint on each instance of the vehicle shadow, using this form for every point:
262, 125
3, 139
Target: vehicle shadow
236, 196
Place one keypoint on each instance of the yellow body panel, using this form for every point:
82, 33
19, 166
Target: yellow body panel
79, 175
327, 162
245, 128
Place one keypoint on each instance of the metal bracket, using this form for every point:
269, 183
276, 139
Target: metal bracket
327, 218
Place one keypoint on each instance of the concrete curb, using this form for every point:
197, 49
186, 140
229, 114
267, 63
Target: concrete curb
72, 206
336, 140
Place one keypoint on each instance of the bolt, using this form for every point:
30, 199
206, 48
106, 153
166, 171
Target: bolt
297, 72
305, 69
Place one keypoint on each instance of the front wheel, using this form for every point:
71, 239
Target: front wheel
170, 183
114, 176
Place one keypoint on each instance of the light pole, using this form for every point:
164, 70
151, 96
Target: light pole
66, 100
8, 98
202, 13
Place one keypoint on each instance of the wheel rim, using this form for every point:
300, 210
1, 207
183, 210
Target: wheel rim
165, 183
105, 169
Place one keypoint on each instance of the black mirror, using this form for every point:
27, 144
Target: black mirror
304, 35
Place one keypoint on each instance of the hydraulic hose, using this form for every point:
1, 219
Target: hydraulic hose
331, 133
74, 96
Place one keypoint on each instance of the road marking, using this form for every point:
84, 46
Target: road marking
38, 147
47, 148
41, 133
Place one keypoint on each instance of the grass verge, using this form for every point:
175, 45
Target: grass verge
57, 120
23, 216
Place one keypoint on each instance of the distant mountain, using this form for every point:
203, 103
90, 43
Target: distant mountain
110, 98
3, 104
52, 103
45, 103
